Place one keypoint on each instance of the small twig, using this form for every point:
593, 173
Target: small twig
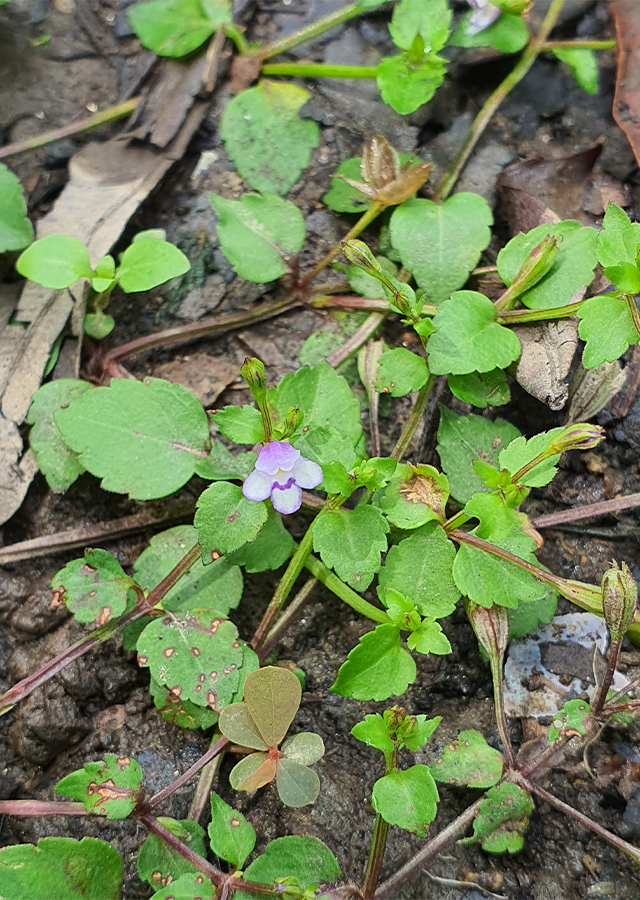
603, 508
205, 783
531, 52
464, 885
86, 535
175, 337
112, 114
389, 889
211, 753
42, 808
287, 617
357, 339
598, 829
365, 219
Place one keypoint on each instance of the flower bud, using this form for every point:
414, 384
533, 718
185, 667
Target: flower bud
619, 598
359, 254
581, 436
292, 422
254, 374
532, 270
491, 627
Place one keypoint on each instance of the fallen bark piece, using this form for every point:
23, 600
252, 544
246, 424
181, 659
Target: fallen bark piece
626, 102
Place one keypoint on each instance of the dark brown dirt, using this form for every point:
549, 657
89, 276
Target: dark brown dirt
101, 704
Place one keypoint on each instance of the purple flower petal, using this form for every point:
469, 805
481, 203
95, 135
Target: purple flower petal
257, 486
307, 474
286, 499
277, 455
483, 15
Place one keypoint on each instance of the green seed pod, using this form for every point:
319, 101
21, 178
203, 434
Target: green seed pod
619, 598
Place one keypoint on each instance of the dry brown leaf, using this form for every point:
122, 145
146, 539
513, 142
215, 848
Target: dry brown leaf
547, 352
207, 376
626, 103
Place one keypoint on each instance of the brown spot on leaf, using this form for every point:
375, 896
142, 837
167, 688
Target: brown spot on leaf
201, 677
168, 651
198, 688
105, 615
215, 624
234, 515
234, 822
215, 554
213, 675
143, 660
212, 699
195, 651
58, 597
175, 691
123, 762
423, 489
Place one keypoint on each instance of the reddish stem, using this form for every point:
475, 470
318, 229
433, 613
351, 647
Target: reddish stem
41, 808
585, 512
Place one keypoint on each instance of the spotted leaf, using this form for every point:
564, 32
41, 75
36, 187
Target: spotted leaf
196, 655
94, 588
109, 788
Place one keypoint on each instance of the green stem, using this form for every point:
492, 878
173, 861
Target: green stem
311, 31
531, 52
522, 316
233, 32
344, 592
319, 70
634, 312
414, 419
460, 518
579, 45
365, 219
357, 339
112, 114
587, 596
501, 719
378, 840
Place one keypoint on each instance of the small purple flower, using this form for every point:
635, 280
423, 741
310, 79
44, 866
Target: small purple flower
484, 14
281, 473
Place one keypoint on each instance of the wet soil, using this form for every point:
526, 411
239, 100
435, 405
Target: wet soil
101, 703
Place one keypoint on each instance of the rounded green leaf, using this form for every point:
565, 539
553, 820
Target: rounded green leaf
509, 34
188, 887
305, 748
241, 424
297, 785
272, 547
57, 462
272, 696
63, 868
431, 21
140, 438
469, 761
407, 798
343, 197
306, 859
401, 372
16, 231
463, 439
252, 772
55, 262
217, 586
489, 580
406, 86
607, 327
159, 864
146, 264
481, 389
441, 243
266, 138
259, 234
226, 520
109, 788
177, 27
323, 397
232, 838
502, 819
351, 542
468, 338
420, 567
583, 64
94, 588
195, 654
374, 732
377, 668
176, 711
236, 724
